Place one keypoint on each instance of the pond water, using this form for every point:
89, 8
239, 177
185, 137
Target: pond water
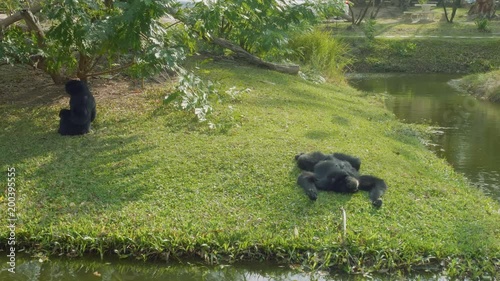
95, 269
466, 130
64, 269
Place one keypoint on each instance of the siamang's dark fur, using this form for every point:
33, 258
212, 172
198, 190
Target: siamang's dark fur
82, 110
336, 172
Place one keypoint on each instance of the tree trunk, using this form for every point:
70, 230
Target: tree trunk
456, 5
484, 8
108, 4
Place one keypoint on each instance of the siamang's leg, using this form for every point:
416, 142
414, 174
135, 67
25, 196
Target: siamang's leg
306, 181
64, 113
375, 186
354, 161
64, 122
307, 161
67, 127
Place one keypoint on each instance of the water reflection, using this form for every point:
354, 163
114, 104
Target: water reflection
31, 269
467, 130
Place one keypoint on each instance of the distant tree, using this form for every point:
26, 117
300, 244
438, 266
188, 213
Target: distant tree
404, 4
483, 8
455, 5
374, 9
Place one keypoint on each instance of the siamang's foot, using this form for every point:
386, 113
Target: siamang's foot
351, 184
313, 194
377, 203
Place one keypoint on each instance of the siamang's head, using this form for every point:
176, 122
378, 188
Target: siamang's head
351, 184
76, 87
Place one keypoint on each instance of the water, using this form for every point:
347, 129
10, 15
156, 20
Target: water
86, 269
91, 269
466, 130
112, 269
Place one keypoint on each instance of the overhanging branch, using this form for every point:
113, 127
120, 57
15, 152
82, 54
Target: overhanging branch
289, 69
33, 25
18, 16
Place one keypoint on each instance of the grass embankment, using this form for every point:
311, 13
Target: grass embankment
416, 55
150, 182
483, 85
437, 46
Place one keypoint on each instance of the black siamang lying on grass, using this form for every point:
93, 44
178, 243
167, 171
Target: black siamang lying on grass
336, 172
82, 110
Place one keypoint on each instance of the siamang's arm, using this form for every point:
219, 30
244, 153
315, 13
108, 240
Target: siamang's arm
375, 186
354, 161
307, 181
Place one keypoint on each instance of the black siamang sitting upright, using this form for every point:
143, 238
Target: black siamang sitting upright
76, 120
336, 172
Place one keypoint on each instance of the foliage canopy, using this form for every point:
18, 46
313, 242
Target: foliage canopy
86, 38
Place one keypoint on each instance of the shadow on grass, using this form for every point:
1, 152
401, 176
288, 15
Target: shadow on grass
22, 86
59, 172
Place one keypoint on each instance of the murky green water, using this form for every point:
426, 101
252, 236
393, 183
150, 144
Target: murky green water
467, 132
91, 270
64, 269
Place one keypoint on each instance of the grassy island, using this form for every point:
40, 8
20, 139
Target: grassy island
151, 182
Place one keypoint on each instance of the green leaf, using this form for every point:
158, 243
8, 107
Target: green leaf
170, 98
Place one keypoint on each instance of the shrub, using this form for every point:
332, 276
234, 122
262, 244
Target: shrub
369, 29
320, 52
482, 24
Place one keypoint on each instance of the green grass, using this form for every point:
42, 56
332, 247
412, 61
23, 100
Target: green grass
150, 182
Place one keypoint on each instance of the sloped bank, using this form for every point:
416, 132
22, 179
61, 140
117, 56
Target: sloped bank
424, 55
482, 85
151, 183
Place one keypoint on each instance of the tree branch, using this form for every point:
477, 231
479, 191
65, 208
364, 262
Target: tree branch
363, 14
111, 70
173, 24
289, 69
33, 25
17, 16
